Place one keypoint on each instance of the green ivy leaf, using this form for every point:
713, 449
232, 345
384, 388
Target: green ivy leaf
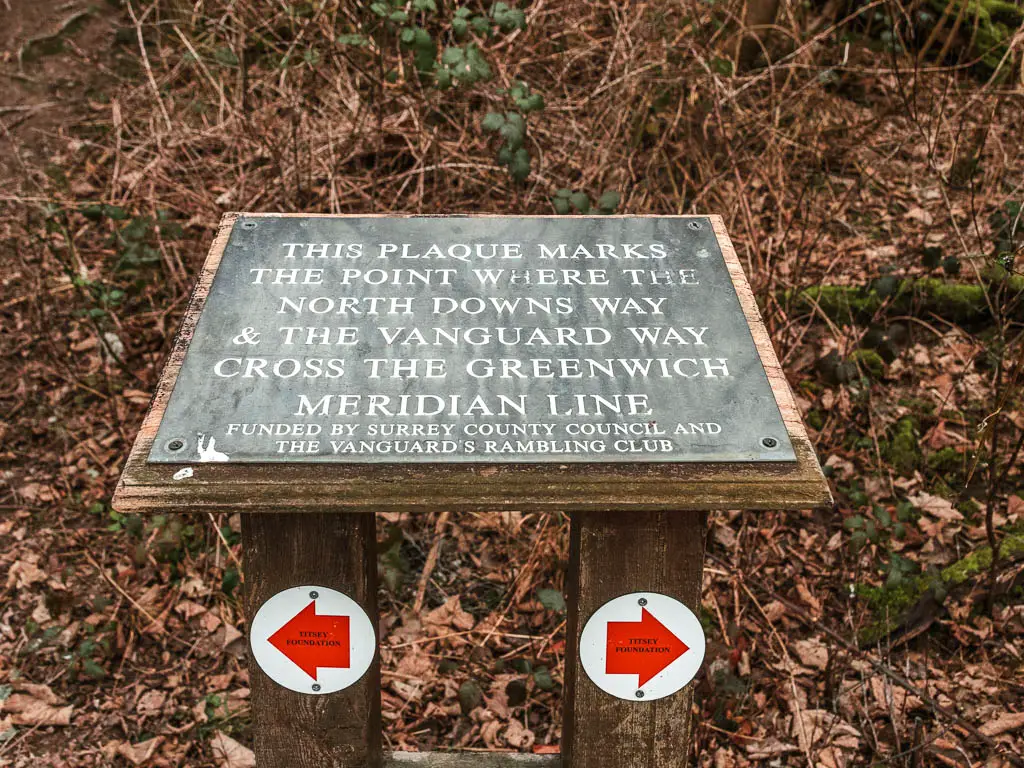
552, 599
513, 135
580, 202
225, 56
477, 67
399, 17
492, 121
609, 201
425, 5
561, 205
516, 692
453, 56
470, 696
508, 19
520, 665
381, 9
230, 581
519, 168
93, 670
462, 13
480, 25
542, 677
460, 27
356, 40
532, 102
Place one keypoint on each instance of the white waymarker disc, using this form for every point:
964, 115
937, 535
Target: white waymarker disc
642, 647
313, 639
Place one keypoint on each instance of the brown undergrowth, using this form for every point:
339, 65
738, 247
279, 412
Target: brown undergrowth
874, 194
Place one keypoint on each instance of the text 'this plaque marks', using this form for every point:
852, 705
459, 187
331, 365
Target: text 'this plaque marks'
486, 340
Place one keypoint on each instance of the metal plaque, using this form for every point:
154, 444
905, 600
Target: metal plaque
463, 339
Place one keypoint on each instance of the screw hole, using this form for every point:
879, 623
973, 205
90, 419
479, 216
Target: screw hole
642, 601
314, 595
316, 686
175, 445
639, 694
248, 225
694, 225
769, 442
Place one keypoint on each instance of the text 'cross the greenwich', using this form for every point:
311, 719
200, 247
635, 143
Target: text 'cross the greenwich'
472, 340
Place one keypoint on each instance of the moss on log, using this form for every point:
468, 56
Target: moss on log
916, 599
959, 303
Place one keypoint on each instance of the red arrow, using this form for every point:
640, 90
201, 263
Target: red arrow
641, 648
312, 641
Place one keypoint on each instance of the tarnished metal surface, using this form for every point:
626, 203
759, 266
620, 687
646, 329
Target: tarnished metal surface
487, 340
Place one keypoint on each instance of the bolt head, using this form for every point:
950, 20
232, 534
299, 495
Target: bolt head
314, 595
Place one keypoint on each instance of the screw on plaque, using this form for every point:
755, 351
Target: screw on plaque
694, 225
314, 595
642, 601
316, 686
248, 225
175, 445
639, 694
769, 442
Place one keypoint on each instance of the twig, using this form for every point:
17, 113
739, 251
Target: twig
431, 563
149, 69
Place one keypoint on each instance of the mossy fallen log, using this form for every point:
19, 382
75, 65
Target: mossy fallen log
960, 303
915, 601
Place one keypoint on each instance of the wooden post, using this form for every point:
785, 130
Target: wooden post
613, 554
295, 730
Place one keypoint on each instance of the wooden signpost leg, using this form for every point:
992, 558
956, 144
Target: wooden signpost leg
613, 554
338, 551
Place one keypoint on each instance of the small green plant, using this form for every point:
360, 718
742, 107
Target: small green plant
880, 529
446, 53
566, 201
511, 127
421, 29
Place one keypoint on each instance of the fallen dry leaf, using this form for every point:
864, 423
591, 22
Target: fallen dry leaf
936, 506
23, 574
812, 653
450, 615
26, 709
230, 754
518, 737
1011, 721
141, 753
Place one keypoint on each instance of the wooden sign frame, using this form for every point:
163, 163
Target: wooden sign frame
634, 528
473, 487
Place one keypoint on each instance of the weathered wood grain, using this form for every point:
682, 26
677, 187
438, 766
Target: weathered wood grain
295, 730
471, 487
470, 760
611, 555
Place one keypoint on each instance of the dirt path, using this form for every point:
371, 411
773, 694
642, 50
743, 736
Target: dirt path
55, 60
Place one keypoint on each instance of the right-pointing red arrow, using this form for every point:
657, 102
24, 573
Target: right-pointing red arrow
643, 648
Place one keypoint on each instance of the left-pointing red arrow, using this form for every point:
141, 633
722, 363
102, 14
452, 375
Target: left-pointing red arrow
312, 641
